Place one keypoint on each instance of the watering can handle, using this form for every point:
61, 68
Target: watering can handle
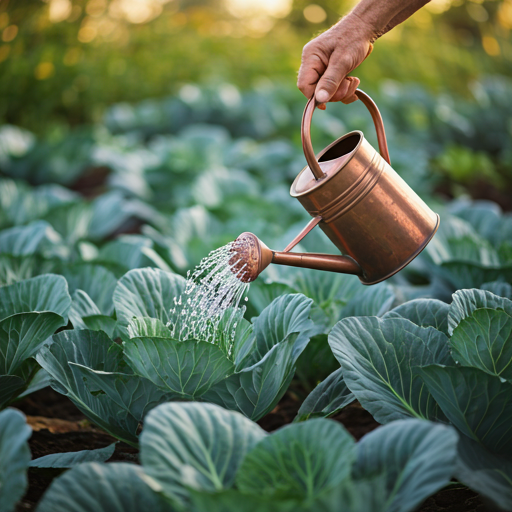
306, 132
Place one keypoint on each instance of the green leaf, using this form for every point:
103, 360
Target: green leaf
72, 459
298, 461
286, 315
478, 404
499, 288
131, 395
21, 336
330, 293
93, 487
81, 306
18, 268
487, 473
88, 367
233, 343
195, 445
363, 495
261, 294
147, 328
129, 252
146, 293
43, 293
235, 501
466, 301
188, 368
462, 274
423, 312
41, 380
103, 323
10, 387
484, 340
98, 282
469, 248
262, 385
377, 356
464, 258
70, 220
37, 237
22, 204
484, 216
266, 358
30, 312
417, 458
327, 399
371, 301
223, 393
14, 458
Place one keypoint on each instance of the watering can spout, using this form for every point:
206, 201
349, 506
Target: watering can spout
251, 256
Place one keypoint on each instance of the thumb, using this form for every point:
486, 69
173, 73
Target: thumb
337, 69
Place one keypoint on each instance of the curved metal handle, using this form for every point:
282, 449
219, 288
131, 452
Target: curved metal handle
306, 132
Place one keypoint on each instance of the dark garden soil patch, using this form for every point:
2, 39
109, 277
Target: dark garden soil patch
459, 499
49, 404
58, 427
92, 182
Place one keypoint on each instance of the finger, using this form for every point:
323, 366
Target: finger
311, 69
347, 88
350, 95
342, 89
332, 78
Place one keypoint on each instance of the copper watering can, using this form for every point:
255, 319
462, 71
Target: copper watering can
367, 210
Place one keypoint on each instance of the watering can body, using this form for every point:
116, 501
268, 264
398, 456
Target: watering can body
367, 210
378, 223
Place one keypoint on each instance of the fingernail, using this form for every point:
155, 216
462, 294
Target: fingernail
322, 96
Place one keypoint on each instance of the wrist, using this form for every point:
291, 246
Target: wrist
374, 17
360, 29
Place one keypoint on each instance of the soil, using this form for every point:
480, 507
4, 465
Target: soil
92, 182
58, 426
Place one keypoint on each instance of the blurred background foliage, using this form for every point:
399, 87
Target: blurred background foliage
62, 62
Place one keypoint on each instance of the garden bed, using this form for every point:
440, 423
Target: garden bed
59, 427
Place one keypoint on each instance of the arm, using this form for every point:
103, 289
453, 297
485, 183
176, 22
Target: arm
329, 58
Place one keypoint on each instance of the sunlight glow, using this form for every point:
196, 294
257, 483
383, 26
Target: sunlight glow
59, 10
136, 11
315, 13
439, 6
248, 8
505, 14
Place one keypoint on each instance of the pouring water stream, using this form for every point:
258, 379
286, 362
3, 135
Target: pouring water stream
213, 293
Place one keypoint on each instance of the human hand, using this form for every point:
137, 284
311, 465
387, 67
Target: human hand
330, 57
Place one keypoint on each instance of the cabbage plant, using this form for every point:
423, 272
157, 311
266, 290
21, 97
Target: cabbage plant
335, 296
202, 458
116, 385
30, 312
473, 246
445, 363
14, 458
